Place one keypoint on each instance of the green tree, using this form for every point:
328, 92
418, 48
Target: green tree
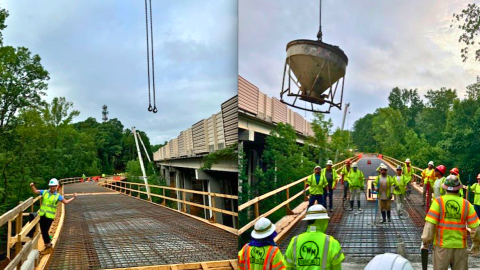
468, 21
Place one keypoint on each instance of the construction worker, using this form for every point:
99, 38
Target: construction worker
48, 208
356, 185
384, 184
331, 177
316, 185
456, 172
408, 170
475, 188
344, 173
446, 225
428, 179
401, 181
262, 252
379, 168
389, 261
103, 175
84, 177
438, 184
314, 249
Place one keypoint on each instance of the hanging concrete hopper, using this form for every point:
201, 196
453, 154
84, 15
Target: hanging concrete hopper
317, 67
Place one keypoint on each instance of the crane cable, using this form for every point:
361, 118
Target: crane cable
150, 109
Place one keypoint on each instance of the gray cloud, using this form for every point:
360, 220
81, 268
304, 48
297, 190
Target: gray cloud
95, 52
408, 44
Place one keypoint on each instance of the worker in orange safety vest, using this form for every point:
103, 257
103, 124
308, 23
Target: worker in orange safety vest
261, 253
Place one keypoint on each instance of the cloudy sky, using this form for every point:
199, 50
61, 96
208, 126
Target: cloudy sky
95, 52
408, 44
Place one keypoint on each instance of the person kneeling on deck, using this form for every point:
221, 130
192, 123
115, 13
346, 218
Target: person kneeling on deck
262, 252
316, 184
314, 249
446, 224
399, 190
48, 208
330, 176
383, 184
356, 185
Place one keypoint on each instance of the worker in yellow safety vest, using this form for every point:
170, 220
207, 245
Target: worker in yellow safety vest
344, 173
316, 185
48, 208
262, 252
401, 182
475, 188
356, 185
446, 225
330, 176
456, 172
314, 249
408, 170
384, 184
428, 179
437, 186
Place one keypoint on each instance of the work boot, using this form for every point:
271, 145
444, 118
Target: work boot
389, 217
360, 209
358, 204
351, 205
383, 217
331, 210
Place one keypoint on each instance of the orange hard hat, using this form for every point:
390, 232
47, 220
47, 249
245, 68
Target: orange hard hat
454, 171
348, 161
441, 169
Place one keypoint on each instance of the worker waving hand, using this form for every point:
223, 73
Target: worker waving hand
384, 184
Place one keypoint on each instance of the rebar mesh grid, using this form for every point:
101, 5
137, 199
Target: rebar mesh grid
85, 187
115, 231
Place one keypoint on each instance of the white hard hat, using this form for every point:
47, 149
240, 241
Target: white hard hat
318, 167
329, 162
407, 160
354, 165
389, 261
53, 182
430, 163
316, 211
263, 228
383, 167
382, 164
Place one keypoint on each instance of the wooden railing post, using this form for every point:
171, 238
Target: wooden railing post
18, 229
287, 208
9, 231
257, 210
138, 193
184, 200
214, 216
164, 197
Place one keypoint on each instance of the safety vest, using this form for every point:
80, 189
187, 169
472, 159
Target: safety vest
356, 179
313, 250
451, 213
429, 176
345, 172
323, 174
316, 189
475, 188
401, 184
390, 183
49, 204
407, 173
260, 258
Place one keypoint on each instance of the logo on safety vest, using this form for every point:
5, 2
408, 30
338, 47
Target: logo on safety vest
309, 254
452, 210
257, 255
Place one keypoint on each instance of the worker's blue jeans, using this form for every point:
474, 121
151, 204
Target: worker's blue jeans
329, 195
318, 198
477, 209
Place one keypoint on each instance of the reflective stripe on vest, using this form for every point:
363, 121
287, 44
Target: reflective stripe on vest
325, 252
271, 252
49, 204
451, 226
245, 256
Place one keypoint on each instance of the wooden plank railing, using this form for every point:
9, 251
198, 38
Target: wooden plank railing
131, 187
256, 201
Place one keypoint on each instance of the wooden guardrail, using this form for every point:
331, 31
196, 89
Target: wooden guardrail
14, 219
129, 187
256, 201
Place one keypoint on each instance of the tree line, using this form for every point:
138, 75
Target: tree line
442, 127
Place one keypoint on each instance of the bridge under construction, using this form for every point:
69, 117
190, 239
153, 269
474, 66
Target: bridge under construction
110, 226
